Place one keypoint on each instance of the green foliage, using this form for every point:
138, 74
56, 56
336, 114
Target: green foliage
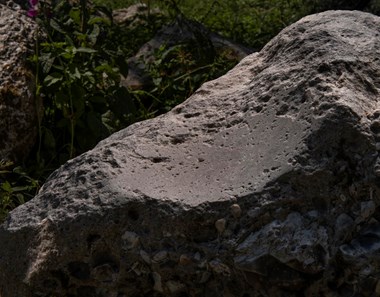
178, 71
251, 23
16, 187
79, 68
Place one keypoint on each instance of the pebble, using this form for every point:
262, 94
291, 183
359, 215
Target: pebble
367, 209
220, 225
131, 240
145, 256
160, 257
174, 287
157, 282
235, 210
184, 260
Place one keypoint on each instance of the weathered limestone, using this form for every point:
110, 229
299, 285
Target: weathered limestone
265, 182
18, 106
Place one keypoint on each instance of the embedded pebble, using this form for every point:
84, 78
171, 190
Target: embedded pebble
131, 239
220, 225
145, 256
160, 257
157, 282
184, 260
367, 209
235, 210
174, 286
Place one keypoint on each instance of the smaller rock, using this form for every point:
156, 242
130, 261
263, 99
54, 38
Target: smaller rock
220, 225
104, 273
235, 210
343, 226
160, 257
367, 209
184, 260
131, 240
377, 288
175, 287
145, 256
157, 282
219, 268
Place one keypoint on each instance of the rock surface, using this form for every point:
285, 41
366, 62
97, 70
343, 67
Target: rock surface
134, 15
18, 107
265, 182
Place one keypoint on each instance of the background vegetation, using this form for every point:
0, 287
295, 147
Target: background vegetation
81, 54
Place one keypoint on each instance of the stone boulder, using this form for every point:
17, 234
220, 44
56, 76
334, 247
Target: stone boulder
135, 15
180, 32
265, 182
18, 106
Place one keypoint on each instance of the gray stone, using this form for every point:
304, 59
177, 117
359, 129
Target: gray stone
134, 15
288, 137
18, 106
180, 32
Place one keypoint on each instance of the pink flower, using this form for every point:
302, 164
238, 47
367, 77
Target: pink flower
32, 13
33, 10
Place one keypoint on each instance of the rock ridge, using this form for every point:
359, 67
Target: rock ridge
265, 182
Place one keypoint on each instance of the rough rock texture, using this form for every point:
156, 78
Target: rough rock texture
264, 183
134, 15
18, 107
182, 31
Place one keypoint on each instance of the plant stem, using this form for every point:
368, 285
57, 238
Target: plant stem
83, 4
38, 99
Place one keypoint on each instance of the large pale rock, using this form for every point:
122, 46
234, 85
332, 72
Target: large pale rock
264, 183
18, 106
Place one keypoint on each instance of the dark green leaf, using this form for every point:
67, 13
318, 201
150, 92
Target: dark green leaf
56, 26
93, 36
85, 50
52, 79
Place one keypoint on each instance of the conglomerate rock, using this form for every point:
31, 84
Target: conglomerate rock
265, 182
18, 106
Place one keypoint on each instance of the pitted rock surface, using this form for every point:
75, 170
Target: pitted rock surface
18, 107
265, 182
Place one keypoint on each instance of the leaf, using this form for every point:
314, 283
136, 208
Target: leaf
105, 10
56, 26
74, 72
6, 186
89, 76
52, 79
85, 50
75, 15
98, 19
20, 198
93, 36
47, 62
20, 188
103, 68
